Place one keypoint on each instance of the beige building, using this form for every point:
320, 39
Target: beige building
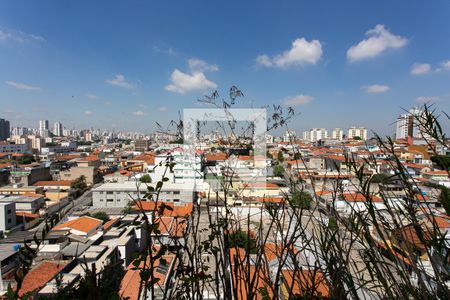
87, 167
354, 132
337, 134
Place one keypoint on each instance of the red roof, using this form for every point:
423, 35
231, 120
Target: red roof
358, 197
309, 282
177, 210
89, 158
129, 286
149, 158
40, 275
53, 183
84, 224
216, 156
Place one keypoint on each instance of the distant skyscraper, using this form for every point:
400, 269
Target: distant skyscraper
407, 125
57, 129
43, 127
4, 129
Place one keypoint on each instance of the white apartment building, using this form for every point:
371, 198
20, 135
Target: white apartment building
58, 129
315, 134
337, 134
407, 125
120, 194
188, 166
36, 142
354, 132
43, 128
65, 147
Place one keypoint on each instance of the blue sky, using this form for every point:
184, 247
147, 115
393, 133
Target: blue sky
127, 64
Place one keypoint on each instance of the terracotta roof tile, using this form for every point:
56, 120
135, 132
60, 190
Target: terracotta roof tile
53, 183
84, 224
40, 275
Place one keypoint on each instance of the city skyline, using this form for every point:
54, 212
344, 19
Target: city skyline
127, 69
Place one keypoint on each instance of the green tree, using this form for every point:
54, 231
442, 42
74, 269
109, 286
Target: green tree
79, 183
101, 215
145, 179
280, 156
380, 178
443, 161
26, 159
278, 171
243, 240
444, 198
128, 208
301, 199
269, 155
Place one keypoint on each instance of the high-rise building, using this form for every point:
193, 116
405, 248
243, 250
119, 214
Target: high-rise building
4, 129
337, 134
57, 129
357, 132
43, 127
20, 131
407, 125
315, 134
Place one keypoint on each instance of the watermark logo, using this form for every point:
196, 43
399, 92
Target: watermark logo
250, 171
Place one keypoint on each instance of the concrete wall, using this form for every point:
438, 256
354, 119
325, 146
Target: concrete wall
7, 216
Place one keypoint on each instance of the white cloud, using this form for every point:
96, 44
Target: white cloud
201, 66
376, 88
108, 103
419, 69
379, 40
301, 53
163, 108
88, 112
22, 86
139, 113
297, 100
165, 50
264, 60
120, 81
426, 99
184, 82
18, 36
445, 66
91, 96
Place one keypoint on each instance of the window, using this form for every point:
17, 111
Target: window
110, 200
176, 200
162, 268
176, 192
9, 221
9, 211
